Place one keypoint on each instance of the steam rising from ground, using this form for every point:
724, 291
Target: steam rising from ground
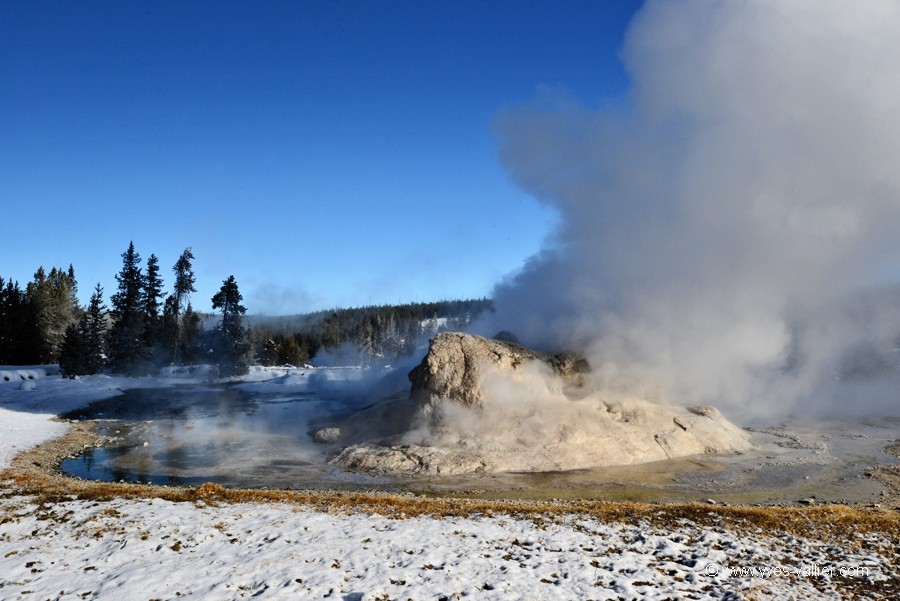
529, 423
716, 230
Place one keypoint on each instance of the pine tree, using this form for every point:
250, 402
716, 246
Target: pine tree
72, 351
6, 338
81, 352
184, 286
268, 353
232, 344
73, 290
94, 333
10, 328
127, 353
17, 332
153, 293
51, 311
169, 326
192, 331
152, 288
289, 352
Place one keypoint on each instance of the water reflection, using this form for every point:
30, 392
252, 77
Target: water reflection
187, 436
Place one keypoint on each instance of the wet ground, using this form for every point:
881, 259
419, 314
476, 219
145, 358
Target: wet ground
826, 465
191, 435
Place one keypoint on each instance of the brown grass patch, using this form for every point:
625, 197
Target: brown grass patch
35, 472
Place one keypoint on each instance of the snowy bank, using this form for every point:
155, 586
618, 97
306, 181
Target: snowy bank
149, 549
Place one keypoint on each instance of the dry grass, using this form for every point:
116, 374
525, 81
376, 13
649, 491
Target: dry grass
35, 472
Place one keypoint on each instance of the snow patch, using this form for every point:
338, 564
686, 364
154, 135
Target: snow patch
137, 549
20, 374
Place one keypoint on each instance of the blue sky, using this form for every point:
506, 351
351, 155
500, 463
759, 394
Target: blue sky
325, 153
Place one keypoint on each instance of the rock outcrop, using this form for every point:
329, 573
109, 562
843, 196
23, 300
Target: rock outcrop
479, 405
456, 364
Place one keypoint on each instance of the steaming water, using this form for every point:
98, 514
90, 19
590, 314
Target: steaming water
191, 435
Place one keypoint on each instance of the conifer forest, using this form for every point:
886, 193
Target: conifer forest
143, 326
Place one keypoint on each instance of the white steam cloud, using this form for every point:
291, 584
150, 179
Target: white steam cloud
716, 231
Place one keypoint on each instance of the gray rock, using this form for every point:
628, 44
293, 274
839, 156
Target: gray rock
456, 362
332, 434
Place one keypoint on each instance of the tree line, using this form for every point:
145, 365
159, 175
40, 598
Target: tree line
142, 330
145, 328
33, 320
378, 334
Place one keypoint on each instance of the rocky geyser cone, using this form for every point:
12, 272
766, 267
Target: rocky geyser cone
455, 364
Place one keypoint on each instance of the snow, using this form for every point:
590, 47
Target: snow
160, 549
434, 324
156, 549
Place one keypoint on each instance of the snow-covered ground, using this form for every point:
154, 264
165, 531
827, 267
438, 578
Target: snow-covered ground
159, 549
156, 549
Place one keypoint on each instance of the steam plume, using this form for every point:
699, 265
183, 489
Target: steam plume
717, 228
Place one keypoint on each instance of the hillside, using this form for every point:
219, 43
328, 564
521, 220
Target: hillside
377, 333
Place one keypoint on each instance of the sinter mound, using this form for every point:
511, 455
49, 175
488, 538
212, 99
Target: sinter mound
456, 364
481, 405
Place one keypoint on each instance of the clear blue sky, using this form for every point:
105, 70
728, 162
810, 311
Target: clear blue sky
326, 153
